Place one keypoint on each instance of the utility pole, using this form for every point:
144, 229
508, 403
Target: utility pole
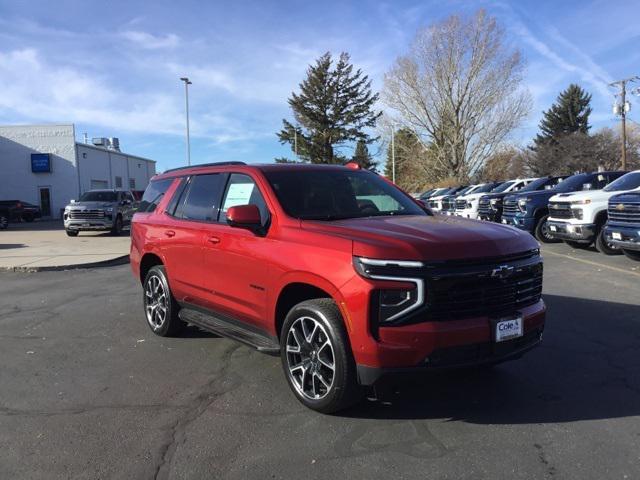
295, 143
622, 109
187, 82
393, 153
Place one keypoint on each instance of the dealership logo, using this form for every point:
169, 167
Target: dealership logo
503, 271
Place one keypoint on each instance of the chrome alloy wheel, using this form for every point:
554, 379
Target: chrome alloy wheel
155, 302
310, 358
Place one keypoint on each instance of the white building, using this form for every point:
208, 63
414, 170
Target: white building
44, 165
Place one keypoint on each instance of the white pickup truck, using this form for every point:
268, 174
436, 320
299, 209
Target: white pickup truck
467, 205
578, 218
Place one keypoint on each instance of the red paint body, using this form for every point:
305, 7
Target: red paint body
217, 266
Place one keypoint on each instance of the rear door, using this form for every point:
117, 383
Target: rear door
185, 226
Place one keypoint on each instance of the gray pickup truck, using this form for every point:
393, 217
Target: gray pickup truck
107, 210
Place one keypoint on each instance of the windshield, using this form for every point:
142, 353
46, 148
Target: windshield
503, 187
630, 181
487, 187
539, 184
465, 190
574, 183
99, 197
318, 194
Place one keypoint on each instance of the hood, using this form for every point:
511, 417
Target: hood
538, 194
633, 196
90, 205
495, 195
593, 195
417, 237
472, 196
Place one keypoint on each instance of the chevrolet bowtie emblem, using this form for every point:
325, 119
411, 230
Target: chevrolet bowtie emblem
620, 206
503, 271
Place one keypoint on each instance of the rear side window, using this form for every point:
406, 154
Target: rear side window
153, 194
202, 201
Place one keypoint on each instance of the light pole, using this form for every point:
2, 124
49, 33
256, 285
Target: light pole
187, 82
393, 153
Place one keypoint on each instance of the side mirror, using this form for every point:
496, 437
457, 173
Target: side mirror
244, 216
72, 201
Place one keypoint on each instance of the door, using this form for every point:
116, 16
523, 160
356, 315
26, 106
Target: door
45, 201
183, 234
236, 259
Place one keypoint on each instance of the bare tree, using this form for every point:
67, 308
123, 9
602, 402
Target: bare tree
459, 90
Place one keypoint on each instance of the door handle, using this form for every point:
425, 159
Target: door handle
214, 240
169, 233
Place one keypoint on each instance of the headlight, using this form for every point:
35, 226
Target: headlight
522, 204
392, 303
109, 210
581, 202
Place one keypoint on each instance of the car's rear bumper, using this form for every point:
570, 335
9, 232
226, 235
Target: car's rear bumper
428, 346
629, 236
583, 233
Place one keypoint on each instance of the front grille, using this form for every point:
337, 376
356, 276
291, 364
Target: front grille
84, 214
510, 207
473, 289
560, 210
448, 204
624, 212
461, 204
484, 206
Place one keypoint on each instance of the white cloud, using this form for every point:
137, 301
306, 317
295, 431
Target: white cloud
149, 41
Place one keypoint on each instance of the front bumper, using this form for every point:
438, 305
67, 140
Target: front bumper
582, 233
430, 346
88, 224
472, 214
490, 216
627, 237
527, 224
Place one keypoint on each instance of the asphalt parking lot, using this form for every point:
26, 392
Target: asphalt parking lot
89, 392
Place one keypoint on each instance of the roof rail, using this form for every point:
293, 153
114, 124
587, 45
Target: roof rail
214, 164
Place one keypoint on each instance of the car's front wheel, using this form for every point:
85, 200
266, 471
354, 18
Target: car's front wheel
316, 357
72, 233
160, 308
605, 247
117, 226
632, 254
542, 232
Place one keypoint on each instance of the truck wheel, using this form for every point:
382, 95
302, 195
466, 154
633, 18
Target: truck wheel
577, 245
316, 357
4, 222
160, 308
542, 232
633, 255
605, 247
117, 226
72, 233
27, 218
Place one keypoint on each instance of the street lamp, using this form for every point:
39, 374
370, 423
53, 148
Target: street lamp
187, 82
393, 153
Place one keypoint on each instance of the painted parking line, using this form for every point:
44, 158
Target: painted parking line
589, 262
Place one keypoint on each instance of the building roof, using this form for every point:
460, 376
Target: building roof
108, 150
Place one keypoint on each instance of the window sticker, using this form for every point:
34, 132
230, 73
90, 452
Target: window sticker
238, 194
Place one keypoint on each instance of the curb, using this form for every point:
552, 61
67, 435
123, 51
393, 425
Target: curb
105, 263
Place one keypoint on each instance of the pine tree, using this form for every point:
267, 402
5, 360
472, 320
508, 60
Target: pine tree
569, 114
334, 107
362, 156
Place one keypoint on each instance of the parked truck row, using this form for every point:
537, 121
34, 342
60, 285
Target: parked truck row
591, 208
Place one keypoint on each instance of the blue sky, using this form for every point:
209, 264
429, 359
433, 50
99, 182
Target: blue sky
112, 68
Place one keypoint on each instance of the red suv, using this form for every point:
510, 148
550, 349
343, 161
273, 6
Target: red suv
336, 270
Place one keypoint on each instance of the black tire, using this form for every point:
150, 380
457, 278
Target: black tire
157, 295
632, 254
117, 226
329, 390
542, 233
577, 245
4, 222
72, 233
604, 247
27, 218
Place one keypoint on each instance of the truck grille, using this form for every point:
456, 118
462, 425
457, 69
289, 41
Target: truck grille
448, 204
461, 204
484, 206
476, 290
84, 214
510, 207
560, 210
624, 212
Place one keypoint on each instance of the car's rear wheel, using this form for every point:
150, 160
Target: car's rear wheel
72, 233
316, 357
27, 217
605, 247
542, 232
633, 255
117, 226
160, 308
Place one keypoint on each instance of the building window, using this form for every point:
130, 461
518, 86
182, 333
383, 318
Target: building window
132, 184
99, 184
118, 182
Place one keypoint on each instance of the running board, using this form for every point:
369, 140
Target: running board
232, 329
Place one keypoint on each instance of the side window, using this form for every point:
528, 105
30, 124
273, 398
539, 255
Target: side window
178, 197
153, 194
242, 190
203, 198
